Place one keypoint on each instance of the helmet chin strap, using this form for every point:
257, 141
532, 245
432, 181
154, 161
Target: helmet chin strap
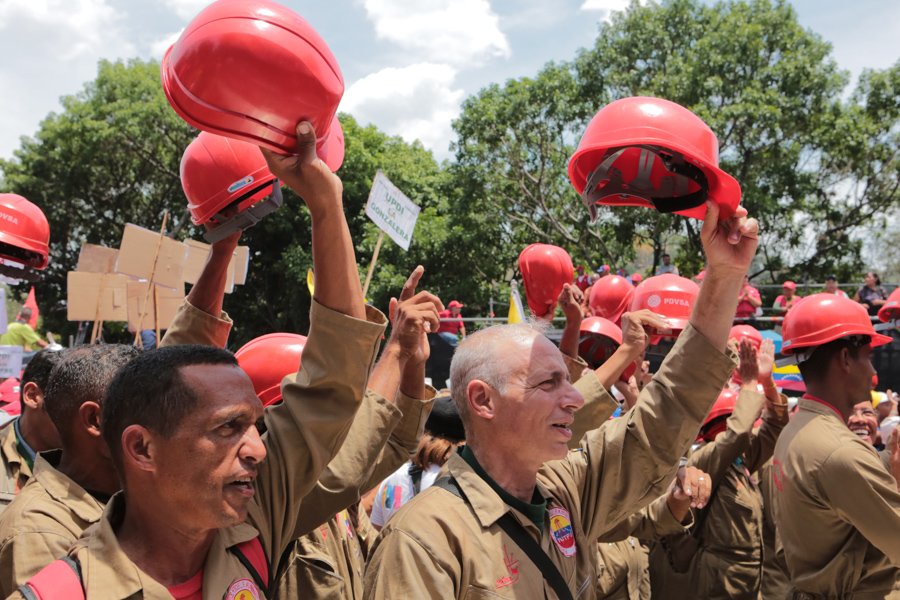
247, 218
670, 196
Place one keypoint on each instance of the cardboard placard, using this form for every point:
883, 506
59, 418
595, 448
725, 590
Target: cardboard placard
138, 251
241, 264
195, 259
392, 211
10, 361
169, 301
86, 290
97, 259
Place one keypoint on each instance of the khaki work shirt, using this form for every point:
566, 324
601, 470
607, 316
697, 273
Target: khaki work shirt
775, 582
303, 434
328, 561
16, 471
438, 546
837, 508
193, 326
48, 515
623, 564
728, 562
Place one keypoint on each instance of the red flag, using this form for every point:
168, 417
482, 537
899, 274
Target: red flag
31, 303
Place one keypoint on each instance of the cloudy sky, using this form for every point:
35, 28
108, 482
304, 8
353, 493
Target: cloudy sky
407, 63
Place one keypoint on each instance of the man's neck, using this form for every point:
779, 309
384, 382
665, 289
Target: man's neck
518, 480
168, 554
834, 396
93, 472
31, 434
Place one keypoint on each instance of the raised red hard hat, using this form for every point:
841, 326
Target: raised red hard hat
890, 310
545, 270
217, 171
741, 332
723, 406
789, 285
599, 340
252, 70
821, 318
24, 232
268, 359
669, 295
610, 297
644, 151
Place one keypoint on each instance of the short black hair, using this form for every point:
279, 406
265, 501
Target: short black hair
82, 374
830, 278
818, 363
150, 391
37, 371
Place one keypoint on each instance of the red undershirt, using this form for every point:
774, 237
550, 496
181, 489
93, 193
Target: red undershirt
192, 589
823, 403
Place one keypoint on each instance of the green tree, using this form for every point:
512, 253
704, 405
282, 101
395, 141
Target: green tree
110, 157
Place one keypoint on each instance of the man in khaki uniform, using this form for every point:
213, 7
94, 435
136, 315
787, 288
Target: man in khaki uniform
727, 540
31, 432
836, 506
186, 521
512, 389
67, 496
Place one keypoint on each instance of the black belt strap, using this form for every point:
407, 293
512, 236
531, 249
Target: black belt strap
520, 536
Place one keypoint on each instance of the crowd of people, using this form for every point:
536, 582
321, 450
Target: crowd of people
324, 466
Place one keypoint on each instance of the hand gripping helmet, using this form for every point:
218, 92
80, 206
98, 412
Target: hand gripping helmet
823, 318
650, 152
218, 172
545, 270
252, 70
268, 359
24, 232
600, 338
610, 297
890, 310
741, 332
723, 407
668, 295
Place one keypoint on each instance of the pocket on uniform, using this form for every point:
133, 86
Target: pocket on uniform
316, 576
477, 593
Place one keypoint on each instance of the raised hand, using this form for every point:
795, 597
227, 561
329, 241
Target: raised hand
691, 489
570, 299
412, 317
748, 368
729, 245
635, 325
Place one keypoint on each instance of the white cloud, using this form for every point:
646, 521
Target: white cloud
50, 48
605, 7
414, 102
159, 47
457, 32
187, 9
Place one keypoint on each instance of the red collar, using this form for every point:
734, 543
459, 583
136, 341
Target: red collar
823, 403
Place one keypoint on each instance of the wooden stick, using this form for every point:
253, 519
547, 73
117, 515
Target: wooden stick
162, 232
95, 330
372, 264
156, 311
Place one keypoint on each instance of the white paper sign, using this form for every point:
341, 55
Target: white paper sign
392, 211
10, 361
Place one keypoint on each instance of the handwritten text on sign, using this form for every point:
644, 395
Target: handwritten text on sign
392, 211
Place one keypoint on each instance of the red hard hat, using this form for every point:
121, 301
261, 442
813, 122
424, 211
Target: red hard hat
890, 310
636, 278
600, 338
610, 297
268, 359
723, 406
252, 70
644, 151
821, 318
740, 332
545, 269
668, 295
789, 285
24, 232
217, 171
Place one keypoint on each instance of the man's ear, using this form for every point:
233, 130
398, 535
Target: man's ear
480, 397
33, 396
139, 448
89, 418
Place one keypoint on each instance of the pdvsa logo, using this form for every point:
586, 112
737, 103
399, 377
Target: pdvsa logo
677, 302
653, 301
9, 218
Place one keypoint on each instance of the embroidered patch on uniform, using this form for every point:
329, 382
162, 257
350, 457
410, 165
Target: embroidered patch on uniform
561, 531
778, 475
243, 589
512, 567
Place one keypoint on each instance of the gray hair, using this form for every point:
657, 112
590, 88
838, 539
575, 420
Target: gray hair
481, 356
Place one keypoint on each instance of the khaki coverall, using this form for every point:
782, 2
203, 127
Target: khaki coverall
837, 509
728, 562
16, 472
438, 546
